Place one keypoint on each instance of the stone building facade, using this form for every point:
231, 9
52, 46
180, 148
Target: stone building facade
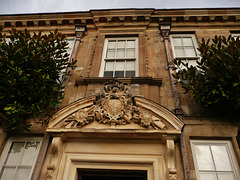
123, 115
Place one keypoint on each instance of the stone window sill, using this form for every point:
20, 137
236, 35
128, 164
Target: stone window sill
129, 80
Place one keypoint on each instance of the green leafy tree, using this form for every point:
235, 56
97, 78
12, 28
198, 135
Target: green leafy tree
215, 82
31, 68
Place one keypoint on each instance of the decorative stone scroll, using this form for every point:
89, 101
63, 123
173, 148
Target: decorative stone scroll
114, 106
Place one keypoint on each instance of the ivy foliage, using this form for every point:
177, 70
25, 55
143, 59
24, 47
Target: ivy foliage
215, 81
31, 69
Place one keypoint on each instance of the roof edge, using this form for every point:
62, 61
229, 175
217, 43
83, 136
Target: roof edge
117, 9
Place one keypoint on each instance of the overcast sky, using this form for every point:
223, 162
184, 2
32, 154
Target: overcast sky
44, 6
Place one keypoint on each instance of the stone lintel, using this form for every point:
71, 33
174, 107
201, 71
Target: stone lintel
113, 133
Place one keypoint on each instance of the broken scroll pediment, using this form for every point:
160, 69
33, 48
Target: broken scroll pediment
114, 106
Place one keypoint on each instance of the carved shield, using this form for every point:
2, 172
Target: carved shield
113, 107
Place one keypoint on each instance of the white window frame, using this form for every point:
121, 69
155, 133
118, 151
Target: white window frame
101, 72
229, 147
72, 39
8, 145
186, 59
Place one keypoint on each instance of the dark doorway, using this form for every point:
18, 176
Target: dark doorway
89, 174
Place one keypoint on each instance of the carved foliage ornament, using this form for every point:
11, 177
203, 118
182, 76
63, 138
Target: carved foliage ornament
114, 106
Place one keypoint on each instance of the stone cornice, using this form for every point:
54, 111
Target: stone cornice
136, 17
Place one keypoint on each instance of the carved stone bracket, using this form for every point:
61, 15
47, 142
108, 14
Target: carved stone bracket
171, 157
80, 31
56, 156
114, 106
165, 28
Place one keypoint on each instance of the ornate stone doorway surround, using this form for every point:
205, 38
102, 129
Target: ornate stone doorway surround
114, 130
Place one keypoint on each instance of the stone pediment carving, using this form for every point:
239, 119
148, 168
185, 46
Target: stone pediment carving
114, 106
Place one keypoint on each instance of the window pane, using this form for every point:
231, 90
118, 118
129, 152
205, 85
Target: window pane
177, 41
110, 53
130, 65
130, 53
70, 42
179, 52
121, 44
7, 173
226, 176
109, 66
204, 158
70, 45
187, 41
14, 153
22, 174
120, 53
120, 65
190, 52
119, 74
130, 73
207, 176
111, 44
108, 74
29, 154
131, 44
221, 158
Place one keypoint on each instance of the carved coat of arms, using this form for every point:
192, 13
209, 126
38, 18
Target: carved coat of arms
114, 106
